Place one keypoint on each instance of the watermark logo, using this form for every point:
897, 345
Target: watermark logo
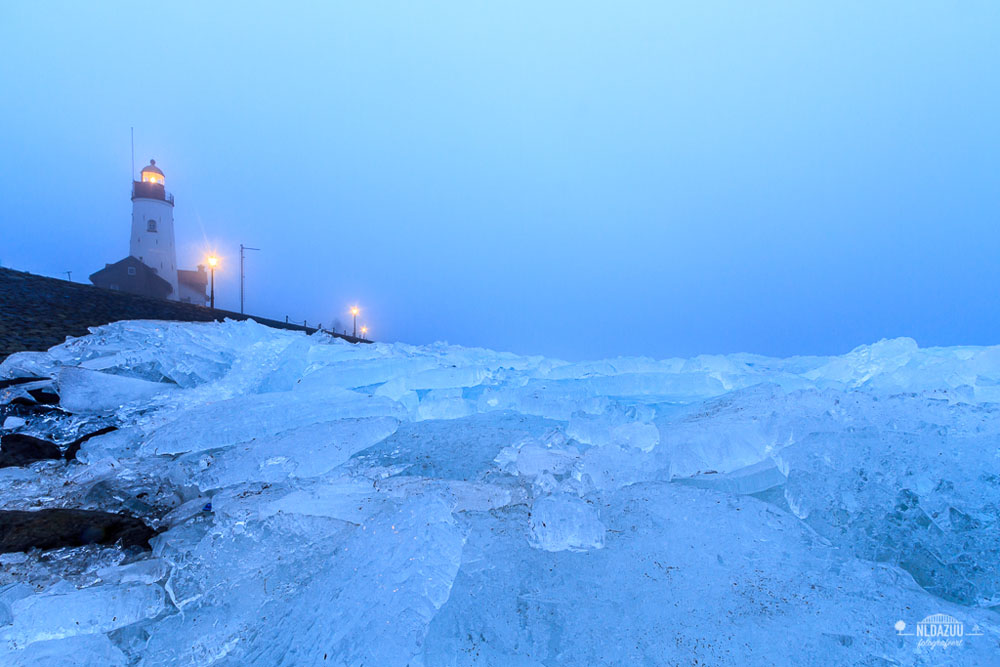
939, 631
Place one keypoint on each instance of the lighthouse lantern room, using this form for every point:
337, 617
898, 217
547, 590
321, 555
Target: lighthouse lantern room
152, 174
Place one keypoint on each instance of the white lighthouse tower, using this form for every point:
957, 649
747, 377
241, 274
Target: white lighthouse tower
152, 241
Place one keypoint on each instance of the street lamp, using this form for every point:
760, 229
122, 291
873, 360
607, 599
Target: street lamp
354, 312
213, 261
364, 332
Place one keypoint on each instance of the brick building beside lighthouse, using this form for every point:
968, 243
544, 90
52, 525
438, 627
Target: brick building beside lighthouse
151, 267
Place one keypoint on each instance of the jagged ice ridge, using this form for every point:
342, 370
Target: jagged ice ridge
326, 503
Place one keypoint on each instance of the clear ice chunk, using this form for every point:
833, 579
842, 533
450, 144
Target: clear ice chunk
75, 651
97, 609
562, 522
93, 392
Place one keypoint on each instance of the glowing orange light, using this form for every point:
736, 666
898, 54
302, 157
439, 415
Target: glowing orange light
152, 174
213, 261
355, 310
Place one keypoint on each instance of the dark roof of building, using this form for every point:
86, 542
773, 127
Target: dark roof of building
152, 284
193, 278
152, 168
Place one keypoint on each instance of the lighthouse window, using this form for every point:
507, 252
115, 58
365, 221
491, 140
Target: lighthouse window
151, 226
131, 270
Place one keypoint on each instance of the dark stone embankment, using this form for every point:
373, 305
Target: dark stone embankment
37, 312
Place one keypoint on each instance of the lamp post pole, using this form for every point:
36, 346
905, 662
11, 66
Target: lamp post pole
354, 311
212, 261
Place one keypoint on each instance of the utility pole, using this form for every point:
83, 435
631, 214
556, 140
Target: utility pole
243, 277
69, 275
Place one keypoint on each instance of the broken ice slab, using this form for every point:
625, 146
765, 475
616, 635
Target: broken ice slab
118, 444
75, 651
444, 404
462, 449
185, 511
926, 502
305, 451
562, 522
752, 479
28, 364
379, 591
343, 498
620, 424
93, 392
10, 594
269, 365
899, 365
145, 571
713, 568
740, 429
249, 598
550, 400
73, 448
351, 374
11, 423
258, 416
36, 392
187, 354
532, 456
86, 611
561, 399
354, 500
440, 378
461, 496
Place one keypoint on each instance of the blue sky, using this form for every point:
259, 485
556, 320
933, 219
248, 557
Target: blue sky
573, 179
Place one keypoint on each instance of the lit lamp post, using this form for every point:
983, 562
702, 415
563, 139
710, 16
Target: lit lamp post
213, 261
355, 311
364, 332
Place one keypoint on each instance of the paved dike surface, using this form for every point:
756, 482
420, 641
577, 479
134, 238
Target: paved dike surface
37, 312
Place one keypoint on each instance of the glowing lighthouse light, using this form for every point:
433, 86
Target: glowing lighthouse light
152, 174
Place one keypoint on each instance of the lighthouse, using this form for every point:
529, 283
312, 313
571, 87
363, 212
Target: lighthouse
151, 266
152, 241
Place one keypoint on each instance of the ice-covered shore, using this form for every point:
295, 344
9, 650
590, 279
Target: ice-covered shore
325, 503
